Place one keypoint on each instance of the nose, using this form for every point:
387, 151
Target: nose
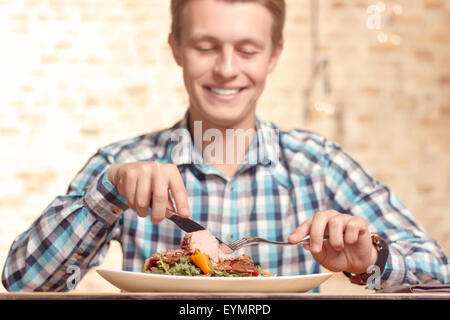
226, 66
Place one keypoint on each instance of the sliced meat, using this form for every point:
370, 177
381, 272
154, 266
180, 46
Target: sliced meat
243, 265
206, 243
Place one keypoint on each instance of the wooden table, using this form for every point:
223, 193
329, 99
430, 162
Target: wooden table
218, 296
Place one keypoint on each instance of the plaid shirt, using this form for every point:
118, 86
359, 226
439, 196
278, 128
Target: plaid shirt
295, 176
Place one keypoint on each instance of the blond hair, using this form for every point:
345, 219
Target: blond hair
276, 7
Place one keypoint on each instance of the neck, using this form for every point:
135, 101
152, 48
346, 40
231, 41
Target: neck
223, 147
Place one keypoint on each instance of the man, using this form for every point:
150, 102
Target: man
301, 184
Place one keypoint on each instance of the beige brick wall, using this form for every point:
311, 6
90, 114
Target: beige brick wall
77, 75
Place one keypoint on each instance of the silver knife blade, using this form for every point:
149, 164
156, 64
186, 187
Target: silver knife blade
186, 224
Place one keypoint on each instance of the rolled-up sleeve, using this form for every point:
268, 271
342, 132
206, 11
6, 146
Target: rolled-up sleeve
74, 231
413, 254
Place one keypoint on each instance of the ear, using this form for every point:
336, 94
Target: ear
276, 56
174, 45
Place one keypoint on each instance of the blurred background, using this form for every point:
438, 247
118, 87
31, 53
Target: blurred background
371, 75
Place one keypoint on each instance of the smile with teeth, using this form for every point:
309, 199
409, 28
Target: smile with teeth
225, 92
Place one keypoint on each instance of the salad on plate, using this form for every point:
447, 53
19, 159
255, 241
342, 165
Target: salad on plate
200, 254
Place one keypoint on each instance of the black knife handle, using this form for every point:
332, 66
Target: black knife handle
186, 224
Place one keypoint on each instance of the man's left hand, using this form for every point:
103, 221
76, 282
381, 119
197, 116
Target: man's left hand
349, 247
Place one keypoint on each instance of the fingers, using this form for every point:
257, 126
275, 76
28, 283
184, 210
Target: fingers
179, 193
160, 199
318, 226
142, 199
147, 184
301, 231
127, 187
336, 232
341, 229
355, 227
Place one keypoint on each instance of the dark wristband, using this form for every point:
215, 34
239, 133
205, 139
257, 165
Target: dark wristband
383, 252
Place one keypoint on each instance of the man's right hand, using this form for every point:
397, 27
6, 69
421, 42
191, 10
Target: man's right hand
146, 185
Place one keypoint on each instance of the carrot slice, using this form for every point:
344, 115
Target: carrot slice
267, 274
202, 261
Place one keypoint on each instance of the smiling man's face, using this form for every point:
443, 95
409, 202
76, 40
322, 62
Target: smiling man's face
226, 53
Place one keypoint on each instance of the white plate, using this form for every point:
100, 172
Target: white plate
147, 282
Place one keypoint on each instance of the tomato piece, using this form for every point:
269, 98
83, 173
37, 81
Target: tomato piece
255, 273
152, 262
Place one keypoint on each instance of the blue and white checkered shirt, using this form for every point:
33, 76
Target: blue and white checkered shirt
295, 176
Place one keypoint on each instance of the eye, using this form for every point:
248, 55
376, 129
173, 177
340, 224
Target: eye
248, 51
248, 54
205, 49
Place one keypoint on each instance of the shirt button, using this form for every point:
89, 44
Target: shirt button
228, 238
230, 186
116, 210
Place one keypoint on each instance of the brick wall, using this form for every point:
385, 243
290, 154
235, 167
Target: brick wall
77, 75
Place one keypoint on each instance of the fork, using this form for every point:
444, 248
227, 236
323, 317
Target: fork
236, 245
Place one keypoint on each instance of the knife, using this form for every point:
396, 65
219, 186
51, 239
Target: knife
189, 225
185, 224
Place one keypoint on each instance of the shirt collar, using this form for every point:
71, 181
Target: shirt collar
271, 153
264, 150
181, 146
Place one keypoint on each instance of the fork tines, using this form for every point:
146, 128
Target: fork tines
238, 243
